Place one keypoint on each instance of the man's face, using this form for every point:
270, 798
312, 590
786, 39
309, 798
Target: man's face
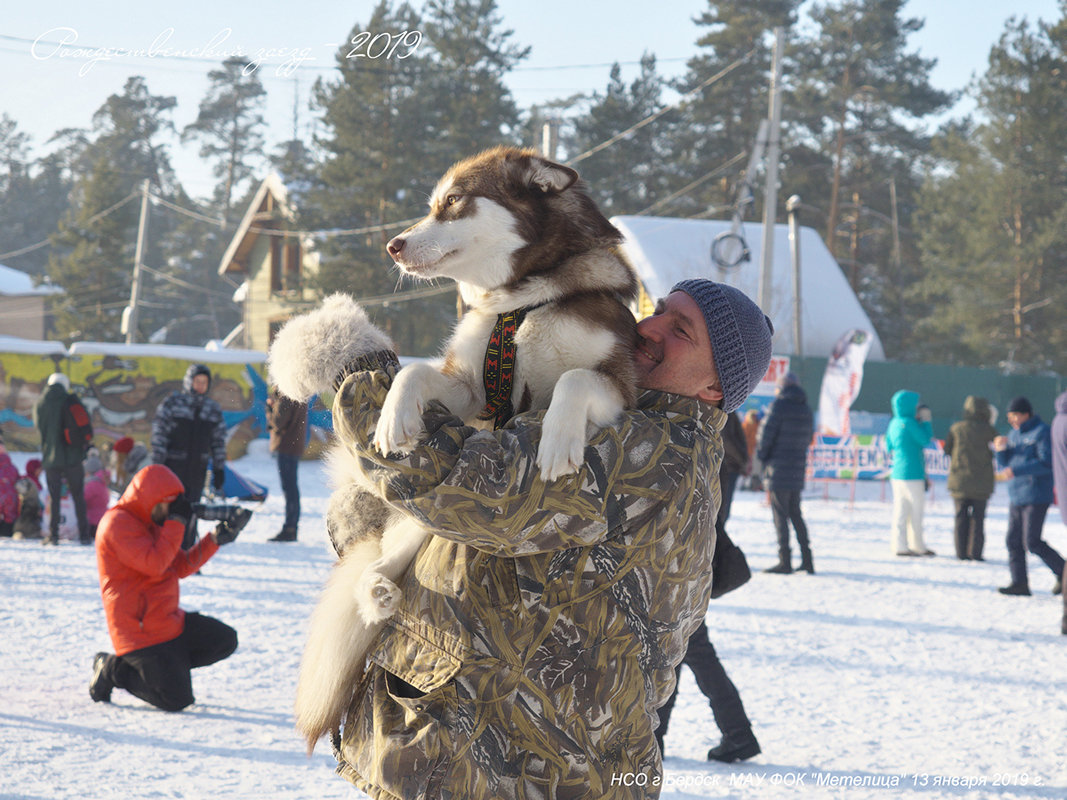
1017, 418
200, 383
160, 511
674, 353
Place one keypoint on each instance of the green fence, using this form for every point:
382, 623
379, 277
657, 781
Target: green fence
943, 388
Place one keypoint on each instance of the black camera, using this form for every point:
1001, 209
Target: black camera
234, 517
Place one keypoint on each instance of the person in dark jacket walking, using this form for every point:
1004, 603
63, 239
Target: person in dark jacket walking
140, 561
188, 432
784, 438
970, 475
738, 742
1024, 457
287, 421
62, 460
1059, 475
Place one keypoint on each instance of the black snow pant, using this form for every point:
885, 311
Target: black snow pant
74, 475
969, 530
785, 508
714, 683
160, 674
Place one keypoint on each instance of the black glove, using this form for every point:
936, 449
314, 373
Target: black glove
183, 521
218, 477
181, 509
227, 531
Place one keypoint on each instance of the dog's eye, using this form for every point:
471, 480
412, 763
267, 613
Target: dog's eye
452, 199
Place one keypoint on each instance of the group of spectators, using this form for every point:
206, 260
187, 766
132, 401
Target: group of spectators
1031, 459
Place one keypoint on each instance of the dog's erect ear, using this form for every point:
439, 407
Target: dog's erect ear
548, 176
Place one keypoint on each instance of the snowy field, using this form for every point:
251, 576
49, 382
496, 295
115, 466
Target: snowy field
878, 677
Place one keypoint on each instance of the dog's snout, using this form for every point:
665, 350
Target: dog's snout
396, 244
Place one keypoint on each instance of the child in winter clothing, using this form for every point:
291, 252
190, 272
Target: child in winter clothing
28, 524
127, 457
909, 431
97, 493
9, 499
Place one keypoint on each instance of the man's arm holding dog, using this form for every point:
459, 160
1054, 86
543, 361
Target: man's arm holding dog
484, 488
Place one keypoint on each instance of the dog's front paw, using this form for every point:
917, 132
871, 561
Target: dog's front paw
377, 596
562, 448
399, 424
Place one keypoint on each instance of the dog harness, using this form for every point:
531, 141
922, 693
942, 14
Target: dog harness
498, 373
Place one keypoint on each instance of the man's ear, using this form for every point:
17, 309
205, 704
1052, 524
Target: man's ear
710, 394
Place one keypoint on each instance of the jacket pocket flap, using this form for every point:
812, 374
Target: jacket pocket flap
414, 660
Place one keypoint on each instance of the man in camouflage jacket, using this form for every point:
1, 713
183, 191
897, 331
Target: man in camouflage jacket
541, 625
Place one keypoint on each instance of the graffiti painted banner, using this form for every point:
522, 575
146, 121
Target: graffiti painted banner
864, 458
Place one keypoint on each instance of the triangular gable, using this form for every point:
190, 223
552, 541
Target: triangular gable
245, 237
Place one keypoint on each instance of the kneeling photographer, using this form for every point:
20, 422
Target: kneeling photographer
140, 559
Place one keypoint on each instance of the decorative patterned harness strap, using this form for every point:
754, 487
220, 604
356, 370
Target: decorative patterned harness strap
498, 373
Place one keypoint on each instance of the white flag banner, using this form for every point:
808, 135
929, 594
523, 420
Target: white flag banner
841, 383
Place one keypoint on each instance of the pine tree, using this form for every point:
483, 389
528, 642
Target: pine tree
92, 256
629, 175
994, 214
229, 128
471, 55
855, 83
33, 197
722, 119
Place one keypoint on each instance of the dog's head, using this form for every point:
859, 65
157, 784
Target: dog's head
499, 216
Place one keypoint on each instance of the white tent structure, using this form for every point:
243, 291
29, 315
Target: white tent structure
665, 250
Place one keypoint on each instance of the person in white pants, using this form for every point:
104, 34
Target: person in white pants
907, 435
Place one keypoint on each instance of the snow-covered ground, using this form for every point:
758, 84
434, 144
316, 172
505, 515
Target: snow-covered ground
877, 677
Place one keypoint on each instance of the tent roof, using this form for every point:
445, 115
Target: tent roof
665, 250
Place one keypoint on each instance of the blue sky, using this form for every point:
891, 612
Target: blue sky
572, 43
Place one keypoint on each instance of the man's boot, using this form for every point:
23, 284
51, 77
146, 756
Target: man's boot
1017, 589
806, 564
735, 747
286, 535
781, 568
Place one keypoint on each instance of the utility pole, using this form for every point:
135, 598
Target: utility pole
131, 313
770, 198
792, 206
550, 139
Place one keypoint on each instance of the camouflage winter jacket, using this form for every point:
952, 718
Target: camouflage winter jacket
539, 630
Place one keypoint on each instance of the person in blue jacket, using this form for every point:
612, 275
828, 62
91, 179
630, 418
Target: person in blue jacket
908, 433
1024, 458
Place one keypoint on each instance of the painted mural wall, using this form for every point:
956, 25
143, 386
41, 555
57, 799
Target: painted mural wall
121, 386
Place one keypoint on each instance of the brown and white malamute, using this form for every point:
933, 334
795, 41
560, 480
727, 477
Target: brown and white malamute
546, 327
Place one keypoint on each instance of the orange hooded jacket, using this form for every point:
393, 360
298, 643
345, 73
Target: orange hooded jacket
140, 563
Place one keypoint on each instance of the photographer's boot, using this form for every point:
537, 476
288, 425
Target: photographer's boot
286, 535
100, 686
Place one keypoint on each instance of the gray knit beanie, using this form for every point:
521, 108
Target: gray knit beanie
740, 337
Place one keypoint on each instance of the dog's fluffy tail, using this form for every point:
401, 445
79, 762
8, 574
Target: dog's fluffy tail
336, 648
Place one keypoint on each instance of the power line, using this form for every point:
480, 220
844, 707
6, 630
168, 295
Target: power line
90, 221
693, 184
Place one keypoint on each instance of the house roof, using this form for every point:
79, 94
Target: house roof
245, 236
665, 250
14, 283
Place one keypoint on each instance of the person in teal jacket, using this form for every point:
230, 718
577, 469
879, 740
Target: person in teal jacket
908, 433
